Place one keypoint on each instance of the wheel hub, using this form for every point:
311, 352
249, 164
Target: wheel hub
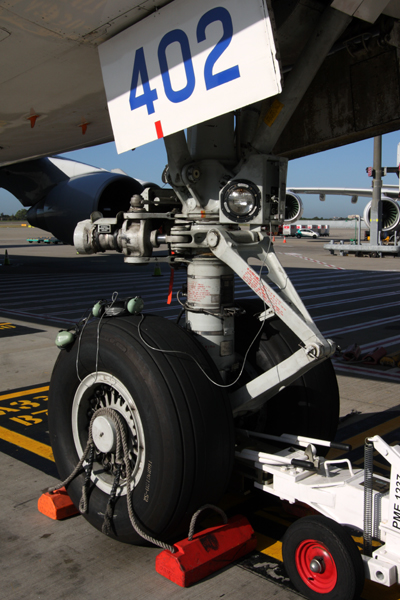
102, 390
317, 565
104, 434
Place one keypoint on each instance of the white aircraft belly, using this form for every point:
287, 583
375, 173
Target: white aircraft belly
49, 67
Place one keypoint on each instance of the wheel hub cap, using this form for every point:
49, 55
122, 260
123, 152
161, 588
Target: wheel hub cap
316, 566
104, 434
102, 390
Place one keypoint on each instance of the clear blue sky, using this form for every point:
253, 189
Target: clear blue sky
340, 167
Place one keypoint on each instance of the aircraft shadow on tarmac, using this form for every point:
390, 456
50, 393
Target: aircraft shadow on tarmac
349, 306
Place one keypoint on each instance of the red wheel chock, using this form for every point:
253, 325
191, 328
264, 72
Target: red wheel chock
374, 357
208, 551
57, 505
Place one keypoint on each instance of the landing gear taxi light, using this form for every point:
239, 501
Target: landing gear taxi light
240, 201
257, 194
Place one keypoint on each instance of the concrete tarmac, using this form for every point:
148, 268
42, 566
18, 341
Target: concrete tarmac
68, 559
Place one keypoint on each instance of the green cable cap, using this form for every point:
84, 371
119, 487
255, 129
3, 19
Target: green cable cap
96, 310
64, 338
135, 305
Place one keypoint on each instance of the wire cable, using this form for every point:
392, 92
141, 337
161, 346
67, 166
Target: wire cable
220, 385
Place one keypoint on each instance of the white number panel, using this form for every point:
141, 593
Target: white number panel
188, 62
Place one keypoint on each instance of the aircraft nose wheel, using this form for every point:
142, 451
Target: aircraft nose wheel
177, 424
322, 560
310, 405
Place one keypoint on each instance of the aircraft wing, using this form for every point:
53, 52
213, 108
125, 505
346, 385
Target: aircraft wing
52, 91
389, 195
388, 191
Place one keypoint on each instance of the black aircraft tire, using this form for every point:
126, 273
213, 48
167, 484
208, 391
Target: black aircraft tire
310, 405
186, 422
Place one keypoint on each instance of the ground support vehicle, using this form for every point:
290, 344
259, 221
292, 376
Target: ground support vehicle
323, 230
318, 552
290, 230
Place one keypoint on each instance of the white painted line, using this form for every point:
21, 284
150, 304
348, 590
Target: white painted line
393, 375
385, 342
352, 300
18, 313
355, 367
319, 262
355, 311
359, 326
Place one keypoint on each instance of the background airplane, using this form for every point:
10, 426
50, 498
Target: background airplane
389, 196
62, 192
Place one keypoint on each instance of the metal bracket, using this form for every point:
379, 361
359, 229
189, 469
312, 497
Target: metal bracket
235, 249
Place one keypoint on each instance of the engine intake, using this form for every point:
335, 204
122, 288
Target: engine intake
76, 199
390, 215
294, 207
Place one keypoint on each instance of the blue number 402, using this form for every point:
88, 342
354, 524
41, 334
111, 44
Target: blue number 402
212, 80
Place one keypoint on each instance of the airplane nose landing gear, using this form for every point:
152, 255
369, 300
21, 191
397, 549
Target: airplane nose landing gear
176, 389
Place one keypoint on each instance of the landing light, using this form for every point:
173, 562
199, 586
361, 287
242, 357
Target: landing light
240, 201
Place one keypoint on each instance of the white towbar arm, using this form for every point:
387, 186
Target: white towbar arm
286, 304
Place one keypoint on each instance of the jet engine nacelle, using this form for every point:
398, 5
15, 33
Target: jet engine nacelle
75, 199
294, 207
390, 215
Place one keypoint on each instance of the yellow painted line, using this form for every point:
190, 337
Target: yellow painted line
26, 443
269, 546
25, 393
358, 440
